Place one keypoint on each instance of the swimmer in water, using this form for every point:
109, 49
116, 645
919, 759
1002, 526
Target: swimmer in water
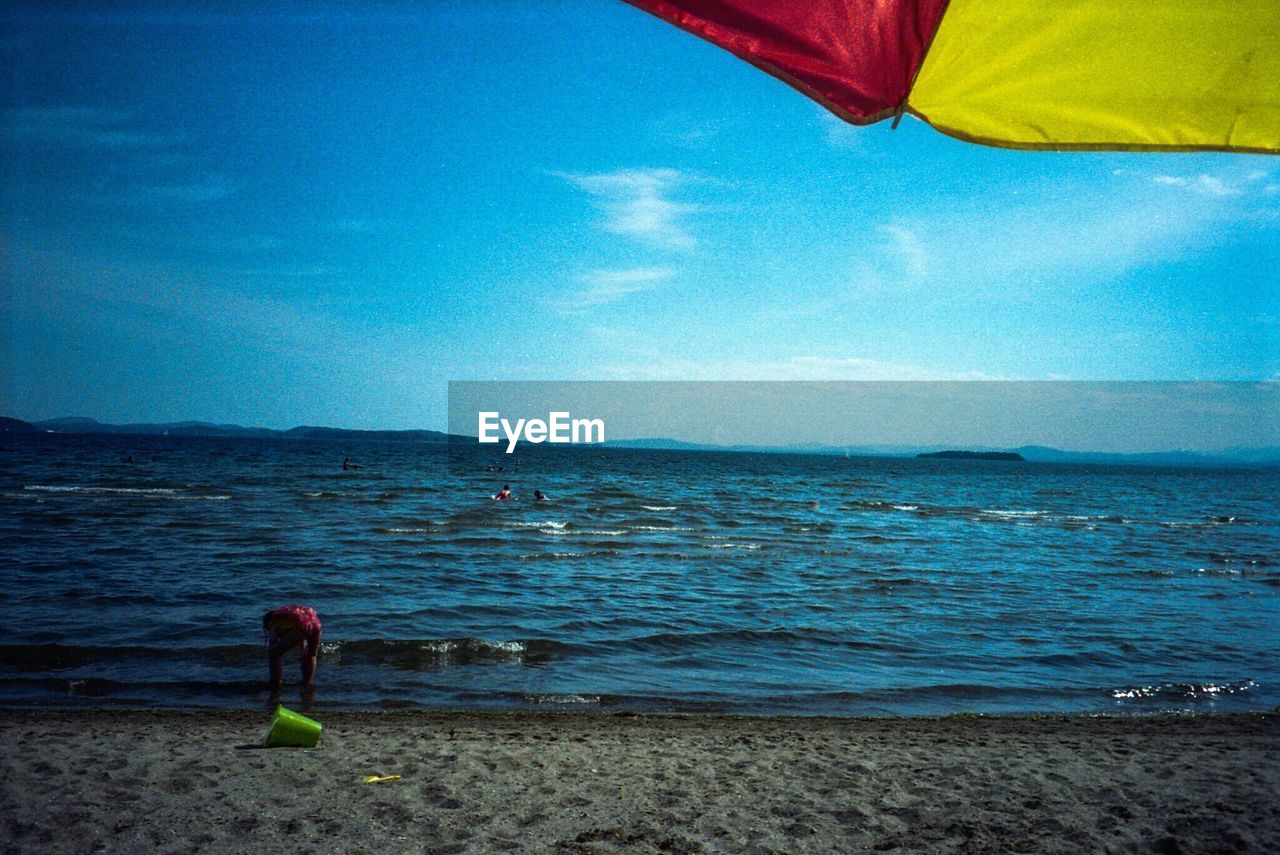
539, 496
504, 494
286, 628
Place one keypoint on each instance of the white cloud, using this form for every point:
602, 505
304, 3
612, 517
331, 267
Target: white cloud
816, 368
1090, 231
112, 133
907, 246
81, 127
609, 286
838, 132
1208, 185
637, 205
1218, 185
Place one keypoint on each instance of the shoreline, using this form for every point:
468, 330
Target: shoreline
594, 782
9, 711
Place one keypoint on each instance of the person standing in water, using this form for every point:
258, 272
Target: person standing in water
504, 494
286, 628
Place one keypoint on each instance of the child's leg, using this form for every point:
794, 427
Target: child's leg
277, 646
310, 652
273, 665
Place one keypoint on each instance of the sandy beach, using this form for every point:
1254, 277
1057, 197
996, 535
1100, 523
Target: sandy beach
178, 782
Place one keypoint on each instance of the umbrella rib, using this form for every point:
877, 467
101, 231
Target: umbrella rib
904, 105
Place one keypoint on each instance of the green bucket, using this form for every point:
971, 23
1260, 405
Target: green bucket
290, 728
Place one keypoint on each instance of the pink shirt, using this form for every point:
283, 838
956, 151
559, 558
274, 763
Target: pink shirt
285, 618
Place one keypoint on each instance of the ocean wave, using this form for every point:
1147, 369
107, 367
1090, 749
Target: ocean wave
127, 492
427, 654
970, 513
567, 556
1243, 559
1207, 522
806, 528
564, 700
547, 526
124, 491
1183, 691
867, 504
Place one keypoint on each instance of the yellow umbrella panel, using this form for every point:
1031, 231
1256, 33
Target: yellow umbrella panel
1106, 74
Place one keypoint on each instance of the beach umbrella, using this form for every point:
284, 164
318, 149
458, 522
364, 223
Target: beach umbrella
1171, 75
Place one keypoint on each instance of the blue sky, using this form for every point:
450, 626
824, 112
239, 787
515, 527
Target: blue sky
322, 216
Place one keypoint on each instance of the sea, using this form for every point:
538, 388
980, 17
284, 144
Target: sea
136, 569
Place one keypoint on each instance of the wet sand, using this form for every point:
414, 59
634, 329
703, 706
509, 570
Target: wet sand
179, 782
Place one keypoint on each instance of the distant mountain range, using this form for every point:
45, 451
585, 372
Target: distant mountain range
83, 425
1237, 456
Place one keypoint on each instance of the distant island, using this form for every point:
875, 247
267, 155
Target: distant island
974, 455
